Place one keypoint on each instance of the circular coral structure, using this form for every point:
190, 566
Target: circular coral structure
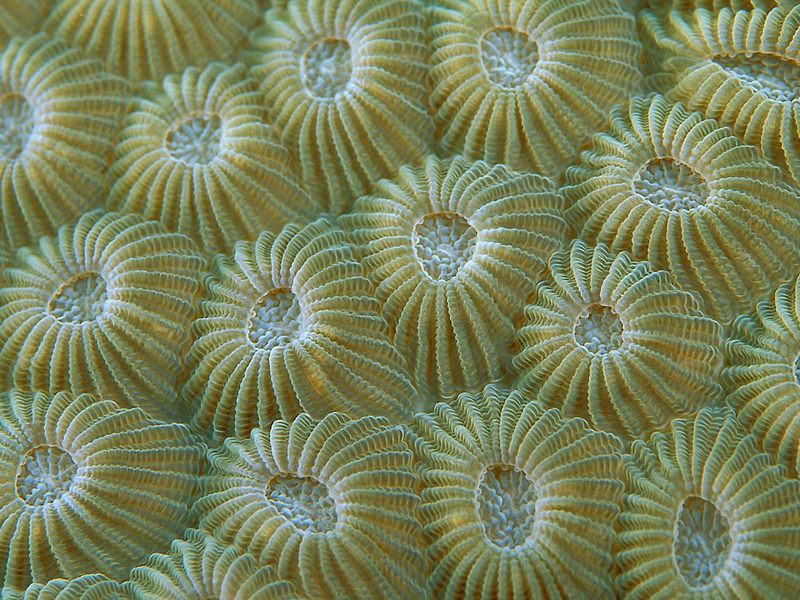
289, 324
453, 249
58, 119
88, 487
199, 567
705, 515
148, 39
102, 308
516, 501
345, 83
331, 503
683, 193
86, 587
527, 83
743, 69
200, 158
763, 374
607, 339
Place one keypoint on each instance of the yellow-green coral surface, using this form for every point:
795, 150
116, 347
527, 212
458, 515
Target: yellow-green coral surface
408, 299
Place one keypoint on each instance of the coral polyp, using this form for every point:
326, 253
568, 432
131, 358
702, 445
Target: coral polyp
705, 514
330, 502
345, 83
526, 83
762, 377
515, 500
104, 308
599, 335
453, 248
59, 113
200, 158
289, 324
88, 487
678, 190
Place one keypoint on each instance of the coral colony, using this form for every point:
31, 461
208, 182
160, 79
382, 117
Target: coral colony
399, 299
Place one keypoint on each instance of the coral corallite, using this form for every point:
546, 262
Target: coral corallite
289, 324
608, 339
199, 157
330, 502
346, 87
516, 502
705, 515
453, 248
59, 113
681, 192
104, 307
88, 487
762, 378
527, 83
